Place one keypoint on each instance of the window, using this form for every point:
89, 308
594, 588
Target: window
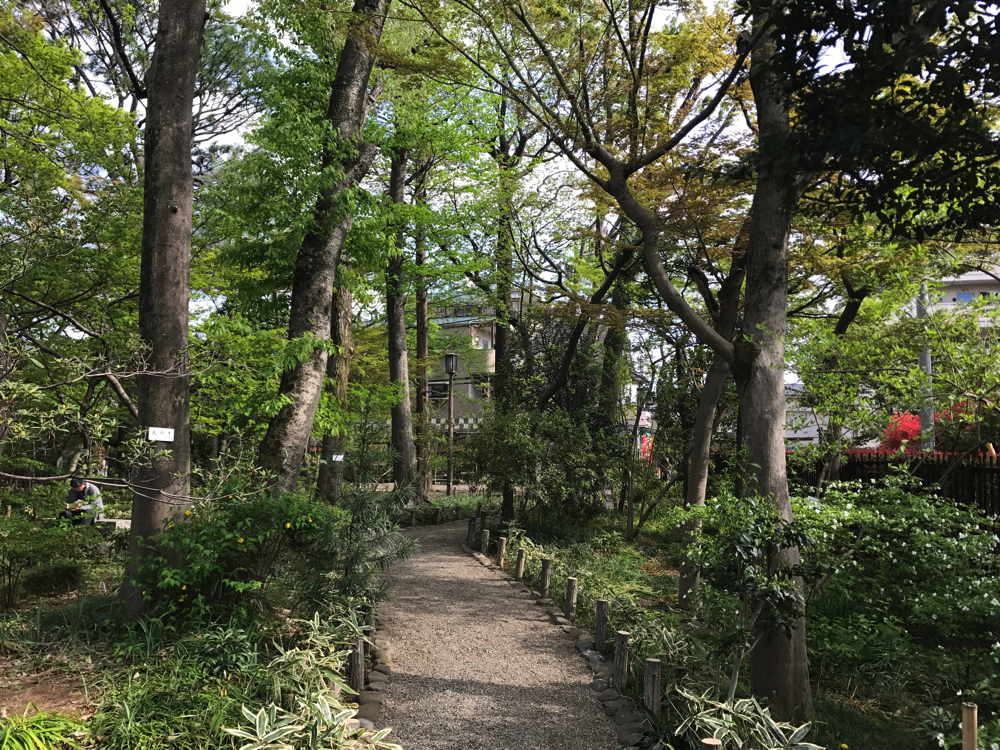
486, 343
965, 296
438, 391
986, 295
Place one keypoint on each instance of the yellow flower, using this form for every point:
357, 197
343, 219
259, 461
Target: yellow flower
310, 520
240, 540
230, 497
181, 599
244, 549
184, 588
143, 593
288, 526
187, 513
843, 745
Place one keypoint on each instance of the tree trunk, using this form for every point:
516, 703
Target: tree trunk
423, 315
404, 460
329, 484
287, 438
696, 485
162, 489
778, 666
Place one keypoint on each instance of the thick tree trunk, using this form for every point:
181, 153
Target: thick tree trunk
287, 438
404, 461
329, 484
162, 489
778, 666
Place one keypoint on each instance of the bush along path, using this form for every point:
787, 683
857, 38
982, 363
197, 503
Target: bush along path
477, 665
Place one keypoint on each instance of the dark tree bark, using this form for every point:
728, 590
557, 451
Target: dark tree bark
330, 482
162, 489
287, 438
404, 461
423, 322
778, 665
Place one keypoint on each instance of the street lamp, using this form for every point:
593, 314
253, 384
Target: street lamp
451, 367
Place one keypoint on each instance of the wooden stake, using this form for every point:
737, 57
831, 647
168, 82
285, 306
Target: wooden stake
651, 687
484, 541
570, 609
543, 587
356, 666
437, 516
601, 627
501, 551
620, 673
970, 723
472, 531
522, 556
458, 512
413, 518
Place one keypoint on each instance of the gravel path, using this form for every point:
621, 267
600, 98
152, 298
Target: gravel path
477, 665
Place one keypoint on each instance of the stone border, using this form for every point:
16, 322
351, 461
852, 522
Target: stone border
371, 699
628, 724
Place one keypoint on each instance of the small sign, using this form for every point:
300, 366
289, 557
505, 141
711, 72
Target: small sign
161, 434
337, 457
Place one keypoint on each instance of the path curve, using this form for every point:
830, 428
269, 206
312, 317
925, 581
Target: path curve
476, 663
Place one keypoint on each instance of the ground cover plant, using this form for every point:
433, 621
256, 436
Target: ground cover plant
902, 595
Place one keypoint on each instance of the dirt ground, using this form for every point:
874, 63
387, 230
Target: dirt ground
57, 689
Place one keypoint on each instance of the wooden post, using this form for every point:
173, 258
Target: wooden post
413, 518
356, 666
437, 516
484, 541
8, 511
570, 609
522, 556
970, 722
458, 512
543, 587
479, 509
472, 531
601, 627
501, 551
651, 687
711, 744
620, 672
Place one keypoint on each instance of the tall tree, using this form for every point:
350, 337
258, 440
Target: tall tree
162, 487
329, 483
347, 158
404, 460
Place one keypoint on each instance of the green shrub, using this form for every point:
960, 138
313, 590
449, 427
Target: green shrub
25, 543
54, 578
40, 731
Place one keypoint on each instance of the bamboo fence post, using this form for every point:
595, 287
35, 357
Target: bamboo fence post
356, 666
570, 609
437, 516
543, 587
522, 555
471, 538
620, 672
601, 627
651, 686
484, 541
970, 721
501, 551
413, 518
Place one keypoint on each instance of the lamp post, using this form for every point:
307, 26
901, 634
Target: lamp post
451, 367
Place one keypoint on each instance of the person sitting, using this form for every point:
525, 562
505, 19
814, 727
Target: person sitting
83, 503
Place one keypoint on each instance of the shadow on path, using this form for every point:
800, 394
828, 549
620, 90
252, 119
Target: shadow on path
477, 665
